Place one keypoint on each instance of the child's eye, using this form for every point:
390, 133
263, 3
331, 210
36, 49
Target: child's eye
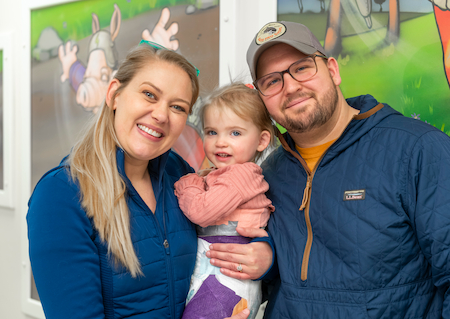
235, 133
211, 132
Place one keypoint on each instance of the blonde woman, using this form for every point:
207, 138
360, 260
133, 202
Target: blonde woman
106, 236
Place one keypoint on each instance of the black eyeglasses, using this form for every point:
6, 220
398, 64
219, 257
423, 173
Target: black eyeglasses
301, 70
160, 47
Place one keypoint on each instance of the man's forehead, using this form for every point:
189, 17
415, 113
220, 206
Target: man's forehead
277, 55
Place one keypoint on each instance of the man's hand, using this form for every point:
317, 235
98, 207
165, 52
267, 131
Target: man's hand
254, 258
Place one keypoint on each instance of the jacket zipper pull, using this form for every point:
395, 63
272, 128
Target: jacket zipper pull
306, 193
166, 246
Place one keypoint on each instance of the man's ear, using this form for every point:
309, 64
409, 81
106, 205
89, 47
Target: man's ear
333, 68
264, 140
112, 87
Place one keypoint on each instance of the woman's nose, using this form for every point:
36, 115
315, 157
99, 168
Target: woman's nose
160, 112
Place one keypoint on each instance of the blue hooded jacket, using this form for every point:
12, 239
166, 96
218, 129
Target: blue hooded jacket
72, 269
366, 234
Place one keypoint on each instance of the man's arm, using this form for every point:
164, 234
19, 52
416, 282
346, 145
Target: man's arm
429, 198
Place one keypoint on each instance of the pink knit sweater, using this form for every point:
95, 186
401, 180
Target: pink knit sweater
231, 193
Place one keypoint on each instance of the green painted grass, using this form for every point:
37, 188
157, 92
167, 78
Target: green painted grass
409, 76
74, 20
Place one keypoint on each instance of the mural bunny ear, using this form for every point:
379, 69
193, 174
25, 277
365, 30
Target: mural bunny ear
115, 22
95, 23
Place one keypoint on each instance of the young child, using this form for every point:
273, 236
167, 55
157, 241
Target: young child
237, 128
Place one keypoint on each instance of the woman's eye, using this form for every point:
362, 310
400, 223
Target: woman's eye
179, 108
149, 94
235, 133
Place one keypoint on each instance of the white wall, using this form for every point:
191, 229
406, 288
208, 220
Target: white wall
11, 220
240, 20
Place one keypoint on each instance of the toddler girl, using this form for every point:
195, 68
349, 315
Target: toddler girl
237, 128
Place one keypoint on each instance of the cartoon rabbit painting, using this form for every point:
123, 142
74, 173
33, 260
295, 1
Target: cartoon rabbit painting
90, 82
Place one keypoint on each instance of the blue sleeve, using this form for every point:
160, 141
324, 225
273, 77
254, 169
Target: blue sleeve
63, 255
429, 205
273, 269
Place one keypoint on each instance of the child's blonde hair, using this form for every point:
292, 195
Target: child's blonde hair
245, 103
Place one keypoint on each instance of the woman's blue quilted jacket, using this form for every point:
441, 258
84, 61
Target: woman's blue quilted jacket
73, 274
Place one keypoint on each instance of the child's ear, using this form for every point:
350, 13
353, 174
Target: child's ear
264, 140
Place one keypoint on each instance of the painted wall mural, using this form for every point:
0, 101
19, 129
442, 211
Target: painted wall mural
77, 48
396, 50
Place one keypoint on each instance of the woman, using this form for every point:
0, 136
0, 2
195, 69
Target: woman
106, 236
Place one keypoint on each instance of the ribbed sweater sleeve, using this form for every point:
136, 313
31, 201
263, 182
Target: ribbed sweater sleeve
206, 200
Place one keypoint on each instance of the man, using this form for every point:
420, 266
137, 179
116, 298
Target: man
361, 193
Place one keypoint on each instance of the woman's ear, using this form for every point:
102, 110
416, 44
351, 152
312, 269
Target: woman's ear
264, 140
112, 87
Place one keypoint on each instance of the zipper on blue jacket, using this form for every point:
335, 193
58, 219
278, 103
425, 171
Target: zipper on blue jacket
169, 260
162, 232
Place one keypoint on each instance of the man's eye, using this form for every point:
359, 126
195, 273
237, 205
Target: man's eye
269, 82
303, 66
300, 69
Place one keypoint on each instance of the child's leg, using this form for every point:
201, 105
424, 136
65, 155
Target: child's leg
213, 295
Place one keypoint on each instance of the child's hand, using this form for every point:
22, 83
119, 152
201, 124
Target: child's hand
204, 172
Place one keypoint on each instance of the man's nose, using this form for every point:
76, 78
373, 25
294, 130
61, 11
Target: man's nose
291, 85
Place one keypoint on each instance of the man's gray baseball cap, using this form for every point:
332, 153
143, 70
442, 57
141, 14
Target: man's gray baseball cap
295, 34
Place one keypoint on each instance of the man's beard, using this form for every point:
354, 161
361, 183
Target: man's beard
321, 114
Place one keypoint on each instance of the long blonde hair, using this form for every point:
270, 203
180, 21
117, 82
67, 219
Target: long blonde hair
93, 162
245, 103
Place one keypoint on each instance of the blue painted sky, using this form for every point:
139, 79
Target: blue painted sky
291, 6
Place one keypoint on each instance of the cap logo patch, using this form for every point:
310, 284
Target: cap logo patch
355, 195
269, 32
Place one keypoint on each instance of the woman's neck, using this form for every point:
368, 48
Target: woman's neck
139, 176
136, 170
